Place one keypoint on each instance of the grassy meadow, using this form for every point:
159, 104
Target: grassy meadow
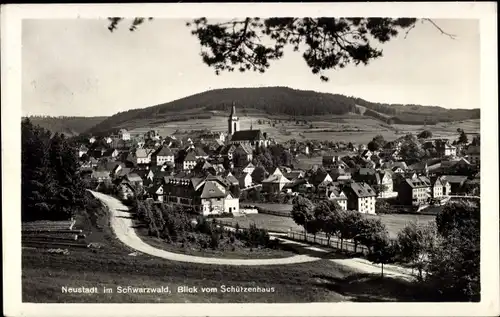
347, 128
393, 222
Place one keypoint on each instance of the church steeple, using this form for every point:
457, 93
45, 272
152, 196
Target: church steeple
233, 110
233, 121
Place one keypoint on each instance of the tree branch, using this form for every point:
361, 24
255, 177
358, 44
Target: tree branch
452, 36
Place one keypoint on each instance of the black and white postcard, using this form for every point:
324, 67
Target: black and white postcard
250, 159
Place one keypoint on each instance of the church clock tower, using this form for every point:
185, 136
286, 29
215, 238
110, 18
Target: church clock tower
233, 121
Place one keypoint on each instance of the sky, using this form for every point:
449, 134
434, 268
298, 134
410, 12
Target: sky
76, 67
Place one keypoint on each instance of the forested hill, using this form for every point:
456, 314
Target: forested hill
70, 126
287, 101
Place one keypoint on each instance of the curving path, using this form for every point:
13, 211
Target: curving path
123, 228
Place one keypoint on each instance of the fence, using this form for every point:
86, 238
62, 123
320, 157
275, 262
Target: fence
334, 242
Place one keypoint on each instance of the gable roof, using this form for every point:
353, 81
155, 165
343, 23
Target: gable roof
100, 174
244, 148
418, 182
142, 153
133, 177
361, 190
211, 190
454, 179
276, 179
247, 135
163, 151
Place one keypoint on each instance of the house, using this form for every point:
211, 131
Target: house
82, 150
339, 197
92, 139
440, 187
189, 157
134, 179
414, 191
320, 179
100, 176
366, 154
386, 186
275, 171
123, 134
274, 183
360, 197
162, 155
473, 155
242, 155
206, 196
231, 179
395, 167
97, 152
421, 168
329, 160
294, 175
456, 182
377, 160
215, 199
156, 192
112, 153
245, 180
125, 190
249, 168
444, 148
227, 151
143, 156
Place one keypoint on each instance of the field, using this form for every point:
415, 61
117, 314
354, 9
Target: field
394, 223
44, 274
347, 128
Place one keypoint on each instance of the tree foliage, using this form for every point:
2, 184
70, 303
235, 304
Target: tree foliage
454, 269
415, 243
425, 134
463, 138
251, 44
51, 186
302, 211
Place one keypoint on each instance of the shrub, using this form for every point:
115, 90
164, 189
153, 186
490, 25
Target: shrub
214, 241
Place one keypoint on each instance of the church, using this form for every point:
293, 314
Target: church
249, 137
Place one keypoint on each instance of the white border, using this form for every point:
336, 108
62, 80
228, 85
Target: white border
12, 16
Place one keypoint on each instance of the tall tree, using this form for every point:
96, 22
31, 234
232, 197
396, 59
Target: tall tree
415, 243
454, 268
37, 183
302, 211
328, 214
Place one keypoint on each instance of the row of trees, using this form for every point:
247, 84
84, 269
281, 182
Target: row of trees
445, 253
51, 186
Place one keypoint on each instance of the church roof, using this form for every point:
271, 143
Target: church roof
247, 135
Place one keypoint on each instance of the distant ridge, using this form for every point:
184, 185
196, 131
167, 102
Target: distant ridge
70, 126
283, 101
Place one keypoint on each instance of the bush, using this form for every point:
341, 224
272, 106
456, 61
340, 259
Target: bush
221, 215
214, 240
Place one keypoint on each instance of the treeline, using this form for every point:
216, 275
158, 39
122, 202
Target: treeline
287, 101
446, 253
51, 188
68, 125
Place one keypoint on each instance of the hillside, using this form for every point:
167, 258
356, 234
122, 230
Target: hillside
272, 101
70, 126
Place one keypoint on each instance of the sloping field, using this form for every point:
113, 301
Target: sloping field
347, 128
